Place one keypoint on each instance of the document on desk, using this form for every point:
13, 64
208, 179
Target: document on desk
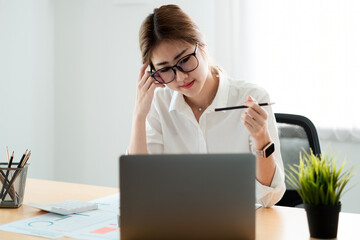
105, 230
109, 203
95, 224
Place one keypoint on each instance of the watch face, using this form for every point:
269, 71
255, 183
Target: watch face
269, 150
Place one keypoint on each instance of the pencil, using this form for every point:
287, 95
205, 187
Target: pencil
7, 175
238, 107
7, 181
26, 159
7, 151
22, 159
17, 173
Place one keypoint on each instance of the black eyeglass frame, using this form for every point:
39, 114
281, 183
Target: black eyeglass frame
177, 67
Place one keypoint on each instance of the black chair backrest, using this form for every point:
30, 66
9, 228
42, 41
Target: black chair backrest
296, 132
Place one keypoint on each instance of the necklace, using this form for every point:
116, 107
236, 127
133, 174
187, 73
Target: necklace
197, 107
200, 109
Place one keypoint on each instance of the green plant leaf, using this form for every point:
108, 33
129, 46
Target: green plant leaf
317, 178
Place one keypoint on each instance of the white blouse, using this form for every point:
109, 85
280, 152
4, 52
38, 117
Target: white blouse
171, 127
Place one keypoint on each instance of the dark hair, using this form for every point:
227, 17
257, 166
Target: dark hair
169, 22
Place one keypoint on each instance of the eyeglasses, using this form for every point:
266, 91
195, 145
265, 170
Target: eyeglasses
185, 64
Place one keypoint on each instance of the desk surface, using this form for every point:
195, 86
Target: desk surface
277, 223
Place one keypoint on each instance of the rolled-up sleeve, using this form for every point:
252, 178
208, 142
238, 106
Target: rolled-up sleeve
268, 196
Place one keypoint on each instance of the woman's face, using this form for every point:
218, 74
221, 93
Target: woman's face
168, 53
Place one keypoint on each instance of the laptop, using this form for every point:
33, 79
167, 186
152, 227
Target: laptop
187, 196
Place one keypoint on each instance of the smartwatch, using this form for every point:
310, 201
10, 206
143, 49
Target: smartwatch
266, 151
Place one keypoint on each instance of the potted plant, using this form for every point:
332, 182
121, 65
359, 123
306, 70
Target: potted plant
320, 184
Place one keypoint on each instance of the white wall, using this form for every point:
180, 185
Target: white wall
26, 83
67, 82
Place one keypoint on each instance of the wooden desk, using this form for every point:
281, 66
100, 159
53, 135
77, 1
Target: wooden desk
286, 223
44, 192
277, 223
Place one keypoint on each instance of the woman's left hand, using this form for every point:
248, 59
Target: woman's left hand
255, 120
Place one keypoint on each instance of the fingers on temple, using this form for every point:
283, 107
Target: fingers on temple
142, 70
155, 85
148, 82
144, 80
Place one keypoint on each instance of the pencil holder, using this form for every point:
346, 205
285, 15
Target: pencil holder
12, 185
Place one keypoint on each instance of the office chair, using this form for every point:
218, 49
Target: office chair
295, 133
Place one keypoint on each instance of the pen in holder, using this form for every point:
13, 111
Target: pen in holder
12, 184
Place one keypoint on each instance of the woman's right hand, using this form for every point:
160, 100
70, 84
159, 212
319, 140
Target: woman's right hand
145, 92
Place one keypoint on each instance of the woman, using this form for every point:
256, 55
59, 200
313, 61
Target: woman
174, 100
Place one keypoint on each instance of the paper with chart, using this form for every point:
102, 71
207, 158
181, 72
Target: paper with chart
96, 224
106, 230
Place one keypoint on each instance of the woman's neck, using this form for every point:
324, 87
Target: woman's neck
207, 93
